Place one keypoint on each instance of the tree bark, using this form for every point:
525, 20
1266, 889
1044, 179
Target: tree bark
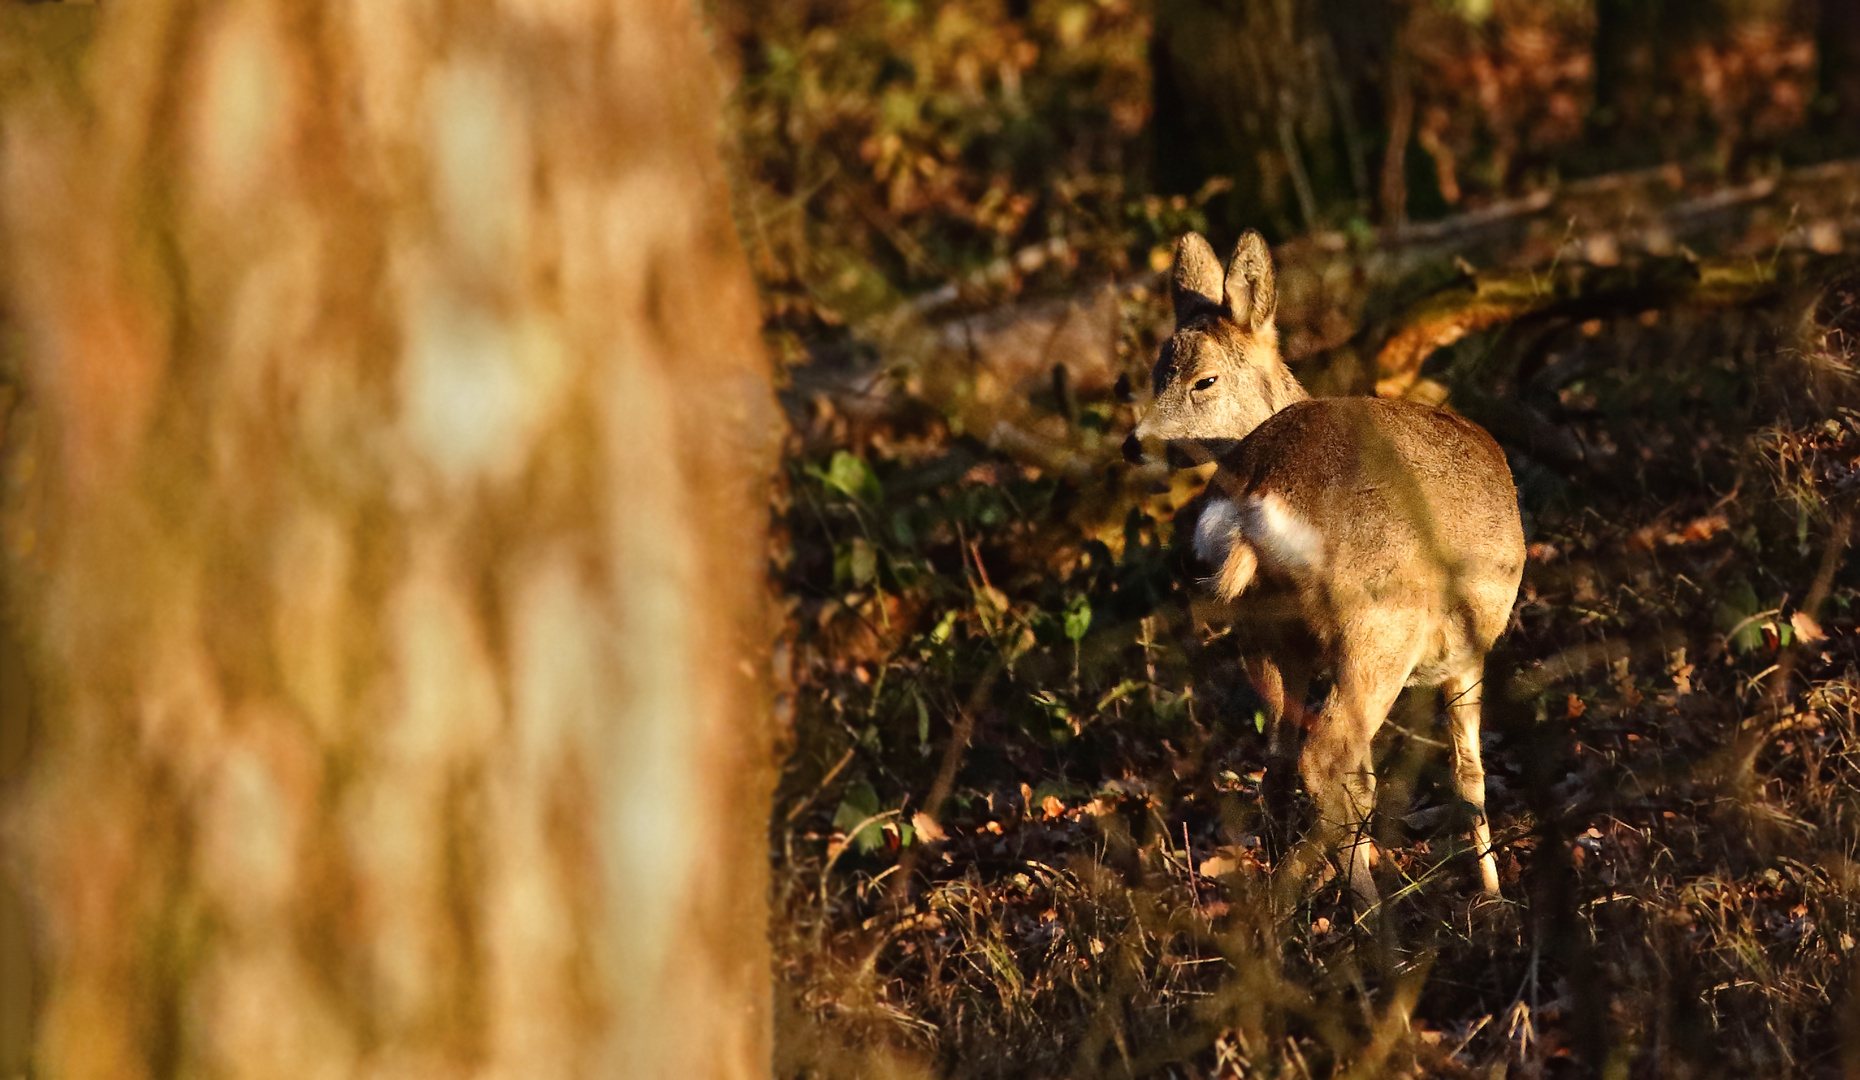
388, 536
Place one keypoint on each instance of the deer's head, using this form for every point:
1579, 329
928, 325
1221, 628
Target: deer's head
1219, 375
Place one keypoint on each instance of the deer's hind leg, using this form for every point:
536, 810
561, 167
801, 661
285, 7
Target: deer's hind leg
1373, 665
1462, 693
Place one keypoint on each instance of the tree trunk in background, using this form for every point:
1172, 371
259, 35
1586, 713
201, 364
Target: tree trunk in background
1837, 47
1265, 95
392, 554
1635, 122
1289, 99
1628, 61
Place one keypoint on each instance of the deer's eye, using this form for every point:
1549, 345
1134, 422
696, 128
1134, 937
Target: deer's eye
1203, 384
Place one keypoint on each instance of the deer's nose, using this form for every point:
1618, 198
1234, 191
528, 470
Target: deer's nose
1133, 450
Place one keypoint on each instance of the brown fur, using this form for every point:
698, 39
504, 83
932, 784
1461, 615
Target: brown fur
1391, 526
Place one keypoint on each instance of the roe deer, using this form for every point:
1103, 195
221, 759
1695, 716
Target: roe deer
1385, 534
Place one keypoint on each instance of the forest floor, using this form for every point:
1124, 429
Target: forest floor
1019, 828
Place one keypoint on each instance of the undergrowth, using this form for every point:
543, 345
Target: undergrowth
1019, 828
1019, 833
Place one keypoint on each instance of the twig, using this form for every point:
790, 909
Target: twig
1298, 1058
946, 775
845, 759
1295, 164
1400, 126
1752, 742
1346, 116
1188, 856
827, 870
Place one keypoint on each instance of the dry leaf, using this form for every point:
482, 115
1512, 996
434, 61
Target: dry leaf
1052, 807
1806, 628
1216, 866
927, 828
1703, 528
1575, 707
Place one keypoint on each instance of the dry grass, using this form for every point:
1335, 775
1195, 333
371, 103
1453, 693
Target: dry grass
1019, 833
1671, 743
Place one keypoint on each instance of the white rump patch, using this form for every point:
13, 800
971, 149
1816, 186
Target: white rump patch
1214, 531
1284, 541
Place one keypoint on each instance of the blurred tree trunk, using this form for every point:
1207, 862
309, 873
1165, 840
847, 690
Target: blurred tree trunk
388, 531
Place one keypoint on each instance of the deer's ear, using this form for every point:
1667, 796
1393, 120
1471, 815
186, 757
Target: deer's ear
1195, 286
1252, 293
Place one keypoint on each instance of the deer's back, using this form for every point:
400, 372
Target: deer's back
1410, 512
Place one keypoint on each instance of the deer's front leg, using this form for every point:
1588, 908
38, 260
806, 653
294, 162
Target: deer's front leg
1281, 683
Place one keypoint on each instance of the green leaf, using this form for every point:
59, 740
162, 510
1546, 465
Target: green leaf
901, 528
1171, 707
1737, 606
1078, 618
861, 799
861, 562
848, 474
1118, 693
859, 804
1052, 704
923, 719
1259, 721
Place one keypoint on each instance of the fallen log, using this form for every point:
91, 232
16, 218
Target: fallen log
1359, 312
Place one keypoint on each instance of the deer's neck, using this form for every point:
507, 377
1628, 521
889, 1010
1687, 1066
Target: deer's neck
1282, 387
1277, 386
